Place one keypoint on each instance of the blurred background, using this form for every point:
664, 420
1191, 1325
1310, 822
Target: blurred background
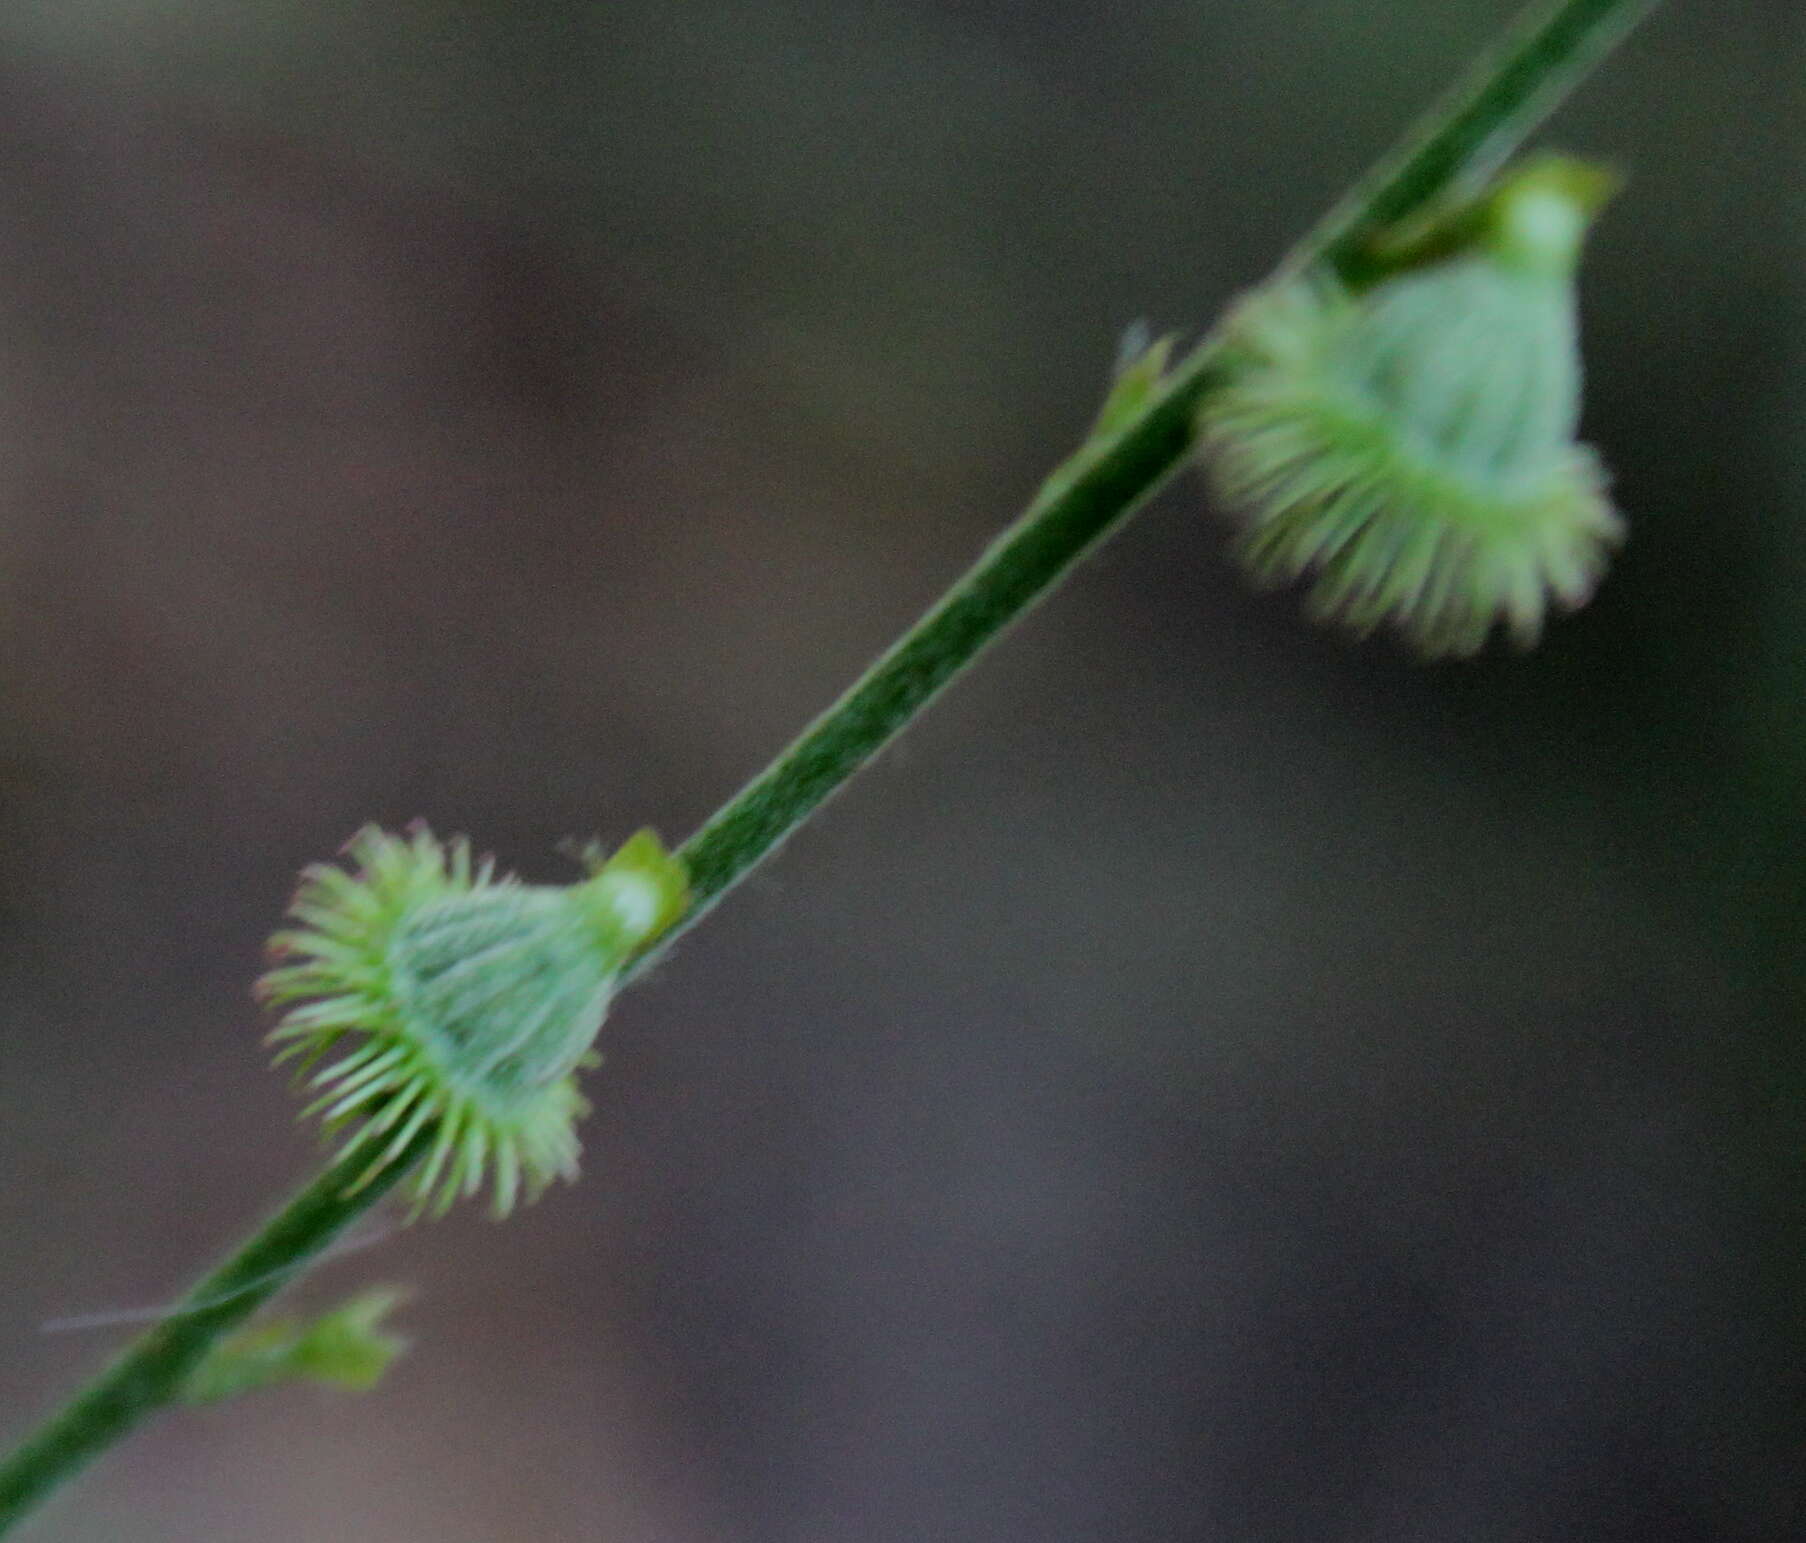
1213, 1081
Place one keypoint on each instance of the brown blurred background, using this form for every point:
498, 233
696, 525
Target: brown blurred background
1213, 1081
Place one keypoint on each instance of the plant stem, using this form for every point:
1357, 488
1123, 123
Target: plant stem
1076, 510
152, 1369
1476, 127
1543, 58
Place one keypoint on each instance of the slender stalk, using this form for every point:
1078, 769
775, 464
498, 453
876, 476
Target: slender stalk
1542, 59
1477, 126
152, 1369
1079, 506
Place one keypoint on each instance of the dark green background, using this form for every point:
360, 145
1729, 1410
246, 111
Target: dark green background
1214, 1081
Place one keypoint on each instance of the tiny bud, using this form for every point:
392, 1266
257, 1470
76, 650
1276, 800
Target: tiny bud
346, 1348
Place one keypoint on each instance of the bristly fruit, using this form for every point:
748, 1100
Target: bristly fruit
465, 1004
1407, 437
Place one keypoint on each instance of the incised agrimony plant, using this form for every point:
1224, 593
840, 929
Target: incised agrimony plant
1393, 415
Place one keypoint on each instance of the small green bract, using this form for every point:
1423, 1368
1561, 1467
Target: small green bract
464, 1003
1410, 440
348, 1348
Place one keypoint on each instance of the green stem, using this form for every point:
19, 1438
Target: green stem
151, 1371
1079, 506
1544, 57
1476, 127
